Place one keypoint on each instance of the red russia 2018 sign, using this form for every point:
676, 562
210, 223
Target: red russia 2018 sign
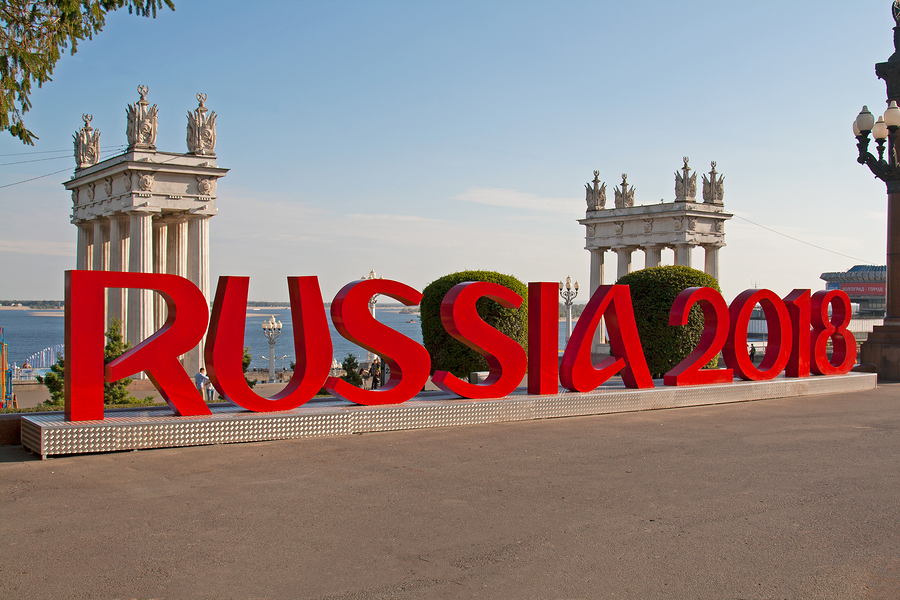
799, 330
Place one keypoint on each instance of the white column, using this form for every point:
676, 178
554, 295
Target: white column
176, 253
118, 261
653, 255
160, 246
101, 244
683, 255
597, 256
198, 273
101, 253
177, 244
140, 260
624, 254
711, 266
84, 259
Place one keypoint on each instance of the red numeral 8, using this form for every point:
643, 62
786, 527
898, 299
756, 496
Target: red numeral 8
843, 355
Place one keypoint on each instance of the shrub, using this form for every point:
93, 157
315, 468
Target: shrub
653, 291
448, 353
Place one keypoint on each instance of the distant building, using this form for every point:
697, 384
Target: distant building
865, 284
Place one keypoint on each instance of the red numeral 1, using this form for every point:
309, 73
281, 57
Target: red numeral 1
797, 303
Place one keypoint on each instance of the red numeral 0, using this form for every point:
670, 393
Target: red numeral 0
843, 355
778, 348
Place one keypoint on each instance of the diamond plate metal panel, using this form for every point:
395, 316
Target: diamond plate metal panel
141, 428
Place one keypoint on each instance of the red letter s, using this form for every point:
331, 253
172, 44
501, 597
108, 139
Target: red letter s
504, 355
409, 361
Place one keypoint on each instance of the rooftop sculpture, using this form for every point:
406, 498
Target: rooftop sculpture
713, 189
201, 129
142, 126
624, 197
87, 144
596, 196
685, 184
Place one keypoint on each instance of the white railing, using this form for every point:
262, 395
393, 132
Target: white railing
38, 363
758, 328
46, 357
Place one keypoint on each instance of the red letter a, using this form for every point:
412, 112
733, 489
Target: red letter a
577, 373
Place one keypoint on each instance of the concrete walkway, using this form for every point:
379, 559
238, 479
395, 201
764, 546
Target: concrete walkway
792, 498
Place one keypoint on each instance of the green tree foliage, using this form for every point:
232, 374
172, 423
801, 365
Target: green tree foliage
115, 392
448, 353
245, 364
33, 35
351, 366
55, 381
653, 291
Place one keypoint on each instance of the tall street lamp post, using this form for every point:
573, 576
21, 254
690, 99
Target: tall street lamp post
882, 347
271, 329
568, 295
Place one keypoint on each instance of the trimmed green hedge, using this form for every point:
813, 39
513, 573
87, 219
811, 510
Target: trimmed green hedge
449, 354
653, 291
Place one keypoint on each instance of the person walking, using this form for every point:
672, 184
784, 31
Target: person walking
202, 382
375, 371
752, 353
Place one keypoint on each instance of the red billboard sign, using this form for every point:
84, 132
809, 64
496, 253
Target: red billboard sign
799, 326
864, 289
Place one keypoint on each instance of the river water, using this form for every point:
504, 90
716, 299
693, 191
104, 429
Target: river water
30, 331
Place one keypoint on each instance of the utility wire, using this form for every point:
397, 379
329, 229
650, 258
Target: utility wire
68, 150
22, 162
33, 178
47, 175
805, 242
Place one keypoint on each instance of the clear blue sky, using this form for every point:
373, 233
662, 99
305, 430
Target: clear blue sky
421, 138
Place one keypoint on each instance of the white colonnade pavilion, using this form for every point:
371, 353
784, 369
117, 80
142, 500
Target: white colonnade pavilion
146, 211
681, 225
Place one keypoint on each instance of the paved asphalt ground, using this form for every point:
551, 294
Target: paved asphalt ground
794, 498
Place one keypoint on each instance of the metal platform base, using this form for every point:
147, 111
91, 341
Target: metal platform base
50, 435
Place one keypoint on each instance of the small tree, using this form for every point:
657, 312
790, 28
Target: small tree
55, 381
653, 291
448, 353
116, 392
351, 366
